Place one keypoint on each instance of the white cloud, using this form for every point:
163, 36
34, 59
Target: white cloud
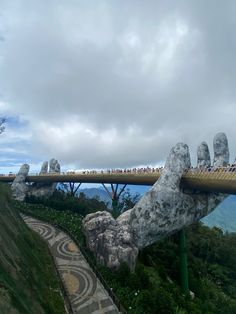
3, 106
112, 83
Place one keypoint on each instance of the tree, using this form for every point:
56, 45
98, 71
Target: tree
2, 126
127, 201
69, 188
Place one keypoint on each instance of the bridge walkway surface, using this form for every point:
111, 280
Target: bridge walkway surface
219, 180
85, 291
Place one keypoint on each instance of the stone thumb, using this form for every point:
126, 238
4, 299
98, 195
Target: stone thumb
44, 168
177, 163
22, 174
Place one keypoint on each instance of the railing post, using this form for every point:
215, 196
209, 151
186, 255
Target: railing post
183, 262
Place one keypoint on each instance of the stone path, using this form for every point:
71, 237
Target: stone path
85, 291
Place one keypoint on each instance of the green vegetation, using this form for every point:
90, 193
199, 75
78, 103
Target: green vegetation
154, 285
61, 200
28, 281
126, 201
67, 219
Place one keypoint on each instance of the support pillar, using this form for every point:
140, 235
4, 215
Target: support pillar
183, 262
73, 189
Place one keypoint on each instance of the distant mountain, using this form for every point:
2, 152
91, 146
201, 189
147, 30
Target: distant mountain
224, 216
96, 192
103, 196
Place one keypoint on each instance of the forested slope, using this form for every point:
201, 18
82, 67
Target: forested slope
28, 282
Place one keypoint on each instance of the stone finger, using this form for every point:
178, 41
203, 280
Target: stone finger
57, 167
22, 174
52, 164
44, 168
19, 187
221, 150
203, 155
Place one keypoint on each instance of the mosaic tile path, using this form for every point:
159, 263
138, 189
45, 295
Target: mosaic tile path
85, 291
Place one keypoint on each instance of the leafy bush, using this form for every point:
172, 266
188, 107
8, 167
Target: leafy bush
61, 200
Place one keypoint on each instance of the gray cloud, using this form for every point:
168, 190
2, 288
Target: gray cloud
117, 83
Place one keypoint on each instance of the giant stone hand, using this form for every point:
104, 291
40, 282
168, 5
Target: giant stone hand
162, 211
20, 189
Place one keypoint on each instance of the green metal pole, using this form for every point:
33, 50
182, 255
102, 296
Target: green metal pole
183, 262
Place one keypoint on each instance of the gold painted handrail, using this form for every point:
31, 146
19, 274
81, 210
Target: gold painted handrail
215, 181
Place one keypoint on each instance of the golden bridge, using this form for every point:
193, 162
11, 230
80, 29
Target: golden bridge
220, 180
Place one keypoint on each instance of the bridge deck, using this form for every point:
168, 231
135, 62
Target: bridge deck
222, 181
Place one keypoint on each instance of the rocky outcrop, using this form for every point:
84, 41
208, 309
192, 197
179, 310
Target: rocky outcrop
162, 211
20, 189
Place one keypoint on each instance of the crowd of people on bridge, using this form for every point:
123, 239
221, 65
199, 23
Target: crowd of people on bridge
118, 171
150, 170
145, 170
228, 168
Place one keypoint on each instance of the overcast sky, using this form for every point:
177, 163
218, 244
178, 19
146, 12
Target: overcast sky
101, 84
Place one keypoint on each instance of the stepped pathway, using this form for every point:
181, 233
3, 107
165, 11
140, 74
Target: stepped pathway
85, 291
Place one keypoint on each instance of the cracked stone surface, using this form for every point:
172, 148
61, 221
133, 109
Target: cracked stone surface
221, 150
203, 155
20, 189
162, 211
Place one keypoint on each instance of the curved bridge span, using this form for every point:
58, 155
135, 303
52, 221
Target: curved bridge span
221, 181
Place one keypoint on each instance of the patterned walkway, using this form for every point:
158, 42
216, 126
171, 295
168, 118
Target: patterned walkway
85, 291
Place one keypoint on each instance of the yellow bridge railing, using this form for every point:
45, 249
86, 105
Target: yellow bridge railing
218, 180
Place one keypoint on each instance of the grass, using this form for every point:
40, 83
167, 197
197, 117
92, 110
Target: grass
28, 280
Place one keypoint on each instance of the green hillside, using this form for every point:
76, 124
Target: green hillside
28, 282
154, 286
